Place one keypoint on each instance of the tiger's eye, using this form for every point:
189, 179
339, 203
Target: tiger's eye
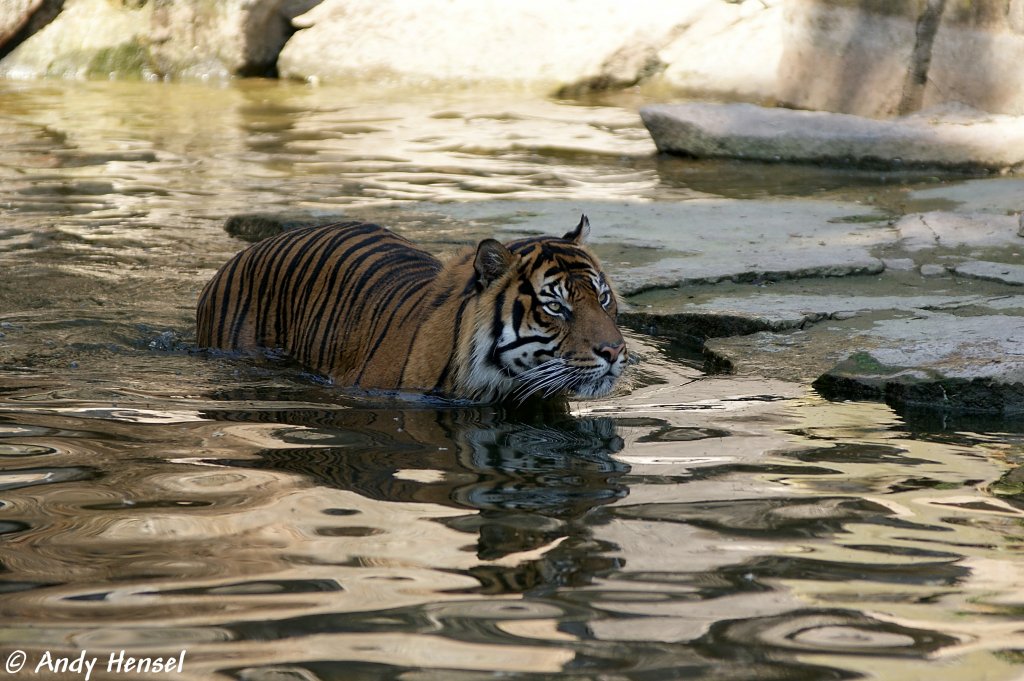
556, 309
606, 299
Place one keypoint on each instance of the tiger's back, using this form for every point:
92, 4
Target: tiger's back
335, 297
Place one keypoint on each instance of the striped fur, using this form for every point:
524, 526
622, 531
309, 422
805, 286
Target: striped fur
367, 308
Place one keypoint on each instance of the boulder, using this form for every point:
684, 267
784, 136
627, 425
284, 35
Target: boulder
130, 38
541, 43
752, 33
14, 14
951, 139
21, 18
221, 39
88, 38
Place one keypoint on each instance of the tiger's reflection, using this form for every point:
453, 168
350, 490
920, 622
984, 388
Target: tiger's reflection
527, 477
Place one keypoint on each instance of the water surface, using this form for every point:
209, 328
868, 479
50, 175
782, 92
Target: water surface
157, 498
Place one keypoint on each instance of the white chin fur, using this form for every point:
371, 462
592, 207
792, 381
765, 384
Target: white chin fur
597, 388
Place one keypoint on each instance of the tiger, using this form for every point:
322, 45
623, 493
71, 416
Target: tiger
365, 307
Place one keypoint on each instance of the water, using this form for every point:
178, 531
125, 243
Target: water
155, 498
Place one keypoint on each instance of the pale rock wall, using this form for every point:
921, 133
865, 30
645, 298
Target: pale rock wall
731, 50
877, 58
978, 57
841, 58
546, 43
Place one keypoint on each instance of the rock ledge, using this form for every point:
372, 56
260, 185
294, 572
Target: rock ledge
949, 139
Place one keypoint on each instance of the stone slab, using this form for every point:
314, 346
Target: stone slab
953, 230
955, 140
993, 271
937, 361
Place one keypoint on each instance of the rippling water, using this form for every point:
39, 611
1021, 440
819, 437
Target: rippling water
156, 498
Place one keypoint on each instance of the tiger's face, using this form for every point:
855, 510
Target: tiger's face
553, 328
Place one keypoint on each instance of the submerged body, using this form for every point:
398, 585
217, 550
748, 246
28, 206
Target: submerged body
366, 307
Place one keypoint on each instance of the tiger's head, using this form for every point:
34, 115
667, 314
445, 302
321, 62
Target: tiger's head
546, 323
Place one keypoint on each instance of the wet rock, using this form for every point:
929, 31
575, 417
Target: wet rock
950, 231
255, 227
993, 196
192, 38
962, 140
695, 328
993, 271
1010, 487
900, 264
936, 361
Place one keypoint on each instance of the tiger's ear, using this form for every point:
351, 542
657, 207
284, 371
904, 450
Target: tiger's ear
493, 259
580, 234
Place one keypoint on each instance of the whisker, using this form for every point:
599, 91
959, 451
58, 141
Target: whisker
571, 378
540, 377
534, 386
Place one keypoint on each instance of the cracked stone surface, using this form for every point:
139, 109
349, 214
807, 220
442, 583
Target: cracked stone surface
943, 229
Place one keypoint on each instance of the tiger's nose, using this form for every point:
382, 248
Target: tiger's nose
610, 351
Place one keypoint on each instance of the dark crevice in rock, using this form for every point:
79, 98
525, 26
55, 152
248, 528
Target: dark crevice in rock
273, 30
624, 69
860, 377
693, 329
45, 12
921, 56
